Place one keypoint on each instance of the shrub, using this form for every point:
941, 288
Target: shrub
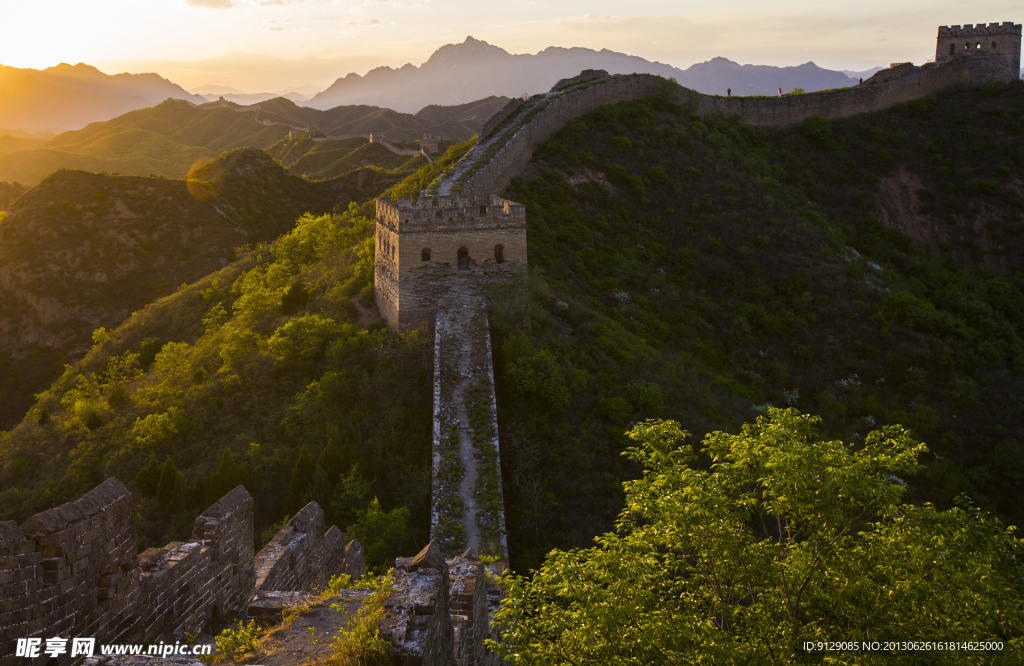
816, 129
239, 640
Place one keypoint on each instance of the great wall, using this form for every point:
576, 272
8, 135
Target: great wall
72, 570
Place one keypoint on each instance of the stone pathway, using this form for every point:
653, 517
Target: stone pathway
462, 361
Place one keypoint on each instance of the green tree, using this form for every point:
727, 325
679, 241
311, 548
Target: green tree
148, 479
171, 489
349, 495
225, 478
785, 539
384, 534
302, 477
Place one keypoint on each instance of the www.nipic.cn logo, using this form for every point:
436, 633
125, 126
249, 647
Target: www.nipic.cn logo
85, 647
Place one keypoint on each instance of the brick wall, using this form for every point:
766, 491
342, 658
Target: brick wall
71, 571
517, 152
301, 557
406, 286
998, 43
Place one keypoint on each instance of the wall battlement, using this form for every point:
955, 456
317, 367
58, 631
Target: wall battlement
992, 51
1004, 28
437, 245
72, 571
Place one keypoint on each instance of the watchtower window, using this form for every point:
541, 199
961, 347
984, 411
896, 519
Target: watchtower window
993, 44
438, 215
463, 259
967, 47
951, 49
499, 253
425, 254
978, 45
483, 209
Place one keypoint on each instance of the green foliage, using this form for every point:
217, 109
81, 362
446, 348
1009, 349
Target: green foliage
294, 298
147, 481
542, 373
362, 644
384, 534
171, 489
758, 274
226, 478
148, 350
302, 477
239, 640
150, 431
786, 538
816, 129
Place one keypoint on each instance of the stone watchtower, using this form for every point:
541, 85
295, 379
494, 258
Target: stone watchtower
992, 52
440, 247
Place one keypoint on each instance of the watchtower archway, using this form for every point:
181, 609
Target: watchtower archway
463, 258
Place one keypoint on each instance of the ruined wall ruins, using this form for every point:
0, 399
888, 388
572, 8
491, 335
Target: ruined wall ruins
439, 610
418, 249
72, 571
302, 557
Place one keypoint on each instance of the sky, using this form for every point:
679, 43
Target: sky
281, 45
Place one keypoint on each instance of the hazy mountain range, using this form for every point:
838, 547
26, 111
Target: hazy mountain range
72, 96
458, 73
69, 97
167, 139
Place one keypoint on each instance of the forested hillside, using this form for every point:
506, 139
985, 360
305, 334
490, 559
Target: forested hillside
163, 140
169, 138
82, 251
683, 267
867, 270
278, 359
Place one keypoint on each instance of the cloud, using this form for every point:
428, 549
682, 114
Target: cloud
210, 4
365, 22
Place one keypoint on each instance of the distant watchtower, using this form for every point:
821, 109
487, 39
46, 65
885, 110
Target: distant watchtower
993, 49
440, 246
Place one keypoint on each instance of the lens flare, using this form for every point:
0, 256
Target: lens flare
205, 178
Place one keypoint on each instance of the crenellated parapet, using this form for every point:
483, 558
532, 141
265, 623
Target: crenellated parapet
991, 51
72, 571
439, 245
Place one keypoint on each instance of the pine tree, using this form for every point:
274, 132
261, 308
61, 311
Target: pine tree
331, 462
226, 478
302, 477
171, 488
148, 479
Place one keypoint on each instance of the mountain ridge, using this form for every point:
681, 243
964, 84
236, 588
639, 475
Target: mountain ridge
456, 73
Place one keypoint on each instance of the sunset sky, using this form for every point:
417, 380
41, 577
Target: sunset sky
273, 45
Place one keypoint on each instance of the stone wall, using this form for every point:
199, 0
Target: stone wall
517, 152
301, 557
583, 77
792, 109
417, 251
437, 613
501, 116
552, 113
71, 571
998, 43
